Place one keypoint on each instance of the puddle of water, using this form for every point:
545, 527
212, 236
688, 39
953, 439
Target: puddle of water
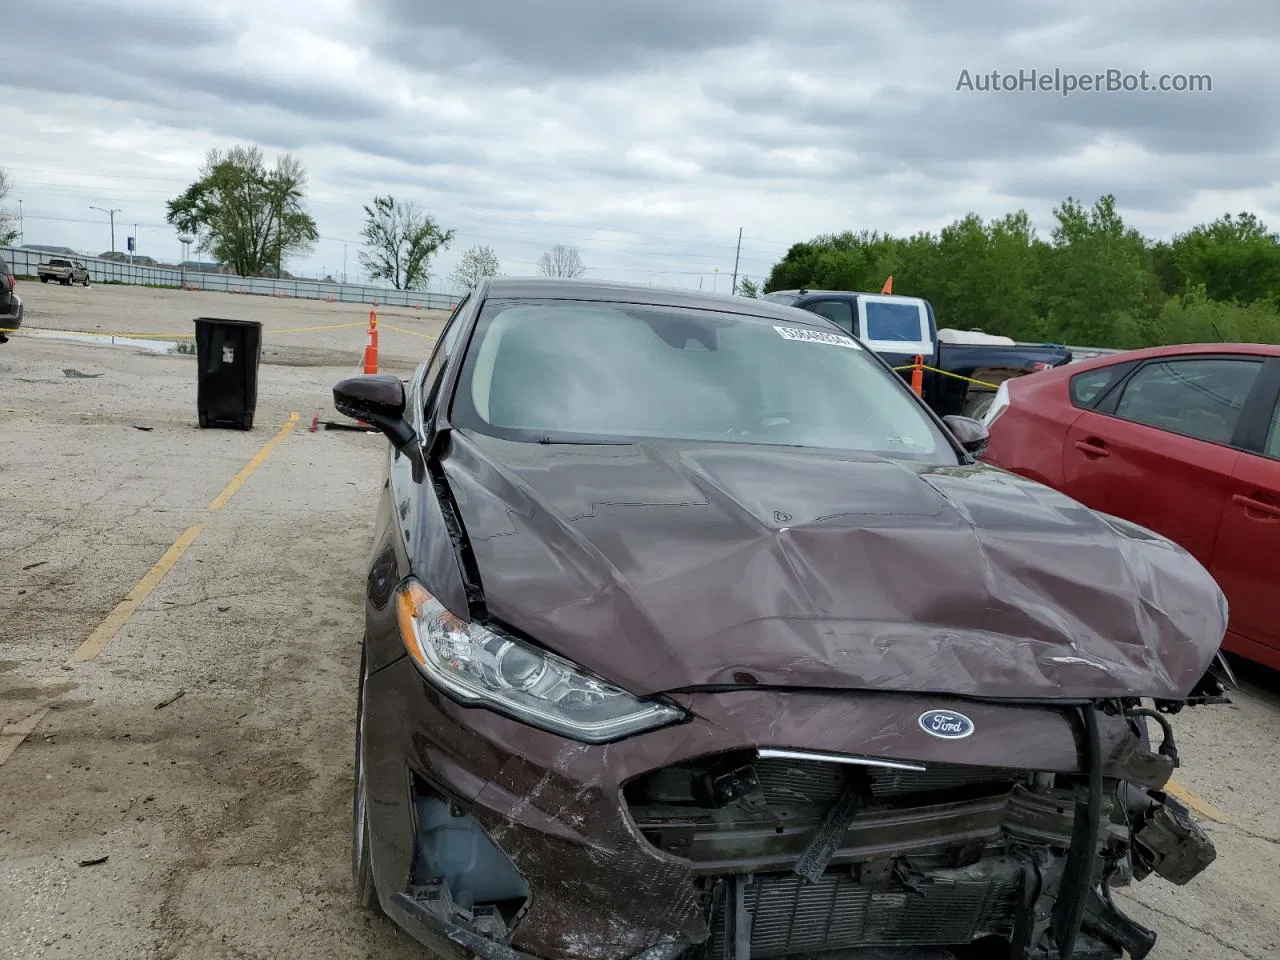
187, 347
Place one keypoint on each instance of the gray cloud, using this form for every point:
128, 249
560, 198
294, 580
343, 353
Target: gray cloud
646, 132
572, 37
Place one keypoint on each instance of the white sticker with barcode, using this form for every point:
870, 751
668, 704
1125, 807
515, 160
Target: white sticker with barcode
816, 336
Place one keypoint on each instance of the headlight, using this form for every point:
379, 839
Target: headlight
481, 667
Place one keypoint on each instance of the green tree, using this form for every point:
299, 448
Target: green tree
1094, 275
985, 275
1235, 258
474, 265
1097, 282
401, 240
748, 288
245, 215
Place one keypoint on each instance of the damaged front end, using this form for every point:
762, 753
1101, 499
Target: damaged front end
785, 853
801, 854
771, 852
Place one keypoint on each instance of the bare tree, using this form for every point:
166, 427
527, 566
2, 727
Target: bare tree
8, 228
474, 265
562, 261
401, 240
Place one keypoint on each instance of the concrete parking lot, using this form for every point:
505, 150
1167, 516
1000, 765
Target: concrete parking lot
180, 616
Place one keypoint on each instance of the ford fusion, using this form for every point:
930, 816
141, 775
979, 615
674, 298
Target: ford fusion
692, 632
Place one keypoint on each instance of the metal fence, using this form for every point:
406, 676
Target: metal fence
26, 262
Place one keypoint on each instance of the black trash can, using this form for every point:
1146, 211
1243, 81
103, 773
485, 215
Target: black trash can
227, 355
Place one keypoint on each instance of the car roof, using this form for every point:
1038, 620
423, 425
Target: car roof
545, 288
806, 292
1173, 350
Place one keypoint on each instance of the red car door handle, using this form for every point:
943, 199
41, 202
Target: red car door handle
1259, 506
1095, 449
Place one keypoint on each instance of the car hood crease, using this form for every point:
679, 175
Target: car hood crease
663, 566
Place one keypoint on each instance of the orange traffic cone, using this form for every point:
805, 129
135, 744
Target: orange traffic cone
888, 285
371, 350
917, 376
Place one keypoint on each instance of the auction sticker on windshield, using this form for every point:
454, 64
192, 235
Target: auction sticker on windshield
816, 336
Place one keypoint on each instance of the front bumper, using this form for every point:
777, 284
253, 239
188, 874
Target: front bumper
613, 869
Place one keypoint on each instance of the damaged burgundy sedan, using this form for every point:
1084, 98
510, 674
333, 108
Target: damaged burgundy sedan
691, 632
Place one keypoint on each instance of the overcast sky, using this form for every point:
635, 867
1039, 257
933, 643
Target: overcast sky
645, 132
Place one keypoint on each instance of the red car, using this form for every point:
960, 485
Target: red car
1183, 440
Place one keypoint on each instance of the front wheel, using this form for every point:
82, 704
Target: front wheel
361, 864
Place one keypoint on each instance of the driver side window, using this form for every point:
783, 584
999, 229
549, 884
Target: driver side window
441, 354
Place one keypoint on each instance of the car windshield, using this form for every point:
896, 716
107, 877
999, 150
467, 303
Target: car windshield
575, 372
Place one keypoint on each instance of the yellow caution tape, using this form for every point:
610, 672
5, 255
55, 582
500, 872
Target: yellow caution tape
948, 373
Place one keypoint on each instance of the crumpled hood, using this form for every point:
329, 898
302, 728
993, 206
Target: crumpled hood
661, 566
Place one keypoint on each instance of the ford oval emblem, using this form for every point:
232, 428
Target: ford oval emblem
946, 724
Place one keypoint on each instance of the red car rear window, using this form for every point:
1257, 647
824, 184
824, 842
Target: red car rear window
1088, 388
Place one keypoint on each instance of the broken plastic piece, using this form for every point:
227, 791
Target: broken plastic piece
813, 862
1171, 844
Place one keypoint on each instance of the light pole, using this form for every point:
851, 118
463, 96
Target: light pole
112, 214
21, 237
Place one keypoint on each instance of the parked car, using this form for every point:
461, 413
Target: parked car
10, 302
667, 653
1184, 440
902, 328
65, 272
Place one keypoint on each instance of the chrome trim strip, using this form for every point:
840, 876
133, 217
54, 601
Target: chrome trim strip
768, 753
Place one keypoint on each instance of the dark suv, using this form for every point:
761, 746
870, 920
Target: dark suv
10, 302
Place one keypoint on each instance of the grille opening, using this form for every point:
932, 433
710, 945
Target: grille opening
735, 813
793, 786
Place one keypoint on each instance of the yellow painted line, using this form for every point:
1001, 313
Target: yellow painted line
238, 480
319, 329
1202, 807
412, 333
11, 737
118, 617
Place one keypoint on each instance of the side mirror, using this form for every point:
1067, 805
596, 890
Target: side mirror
377, 400
971, 434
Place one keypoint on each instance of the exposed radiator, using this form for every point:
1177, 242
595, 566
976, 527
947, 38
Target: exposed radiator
790, 916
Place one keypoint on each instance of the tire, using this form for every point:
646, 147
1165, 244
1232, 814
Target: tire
361, 865
204, 419
976, 407
44, 279
246, 422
